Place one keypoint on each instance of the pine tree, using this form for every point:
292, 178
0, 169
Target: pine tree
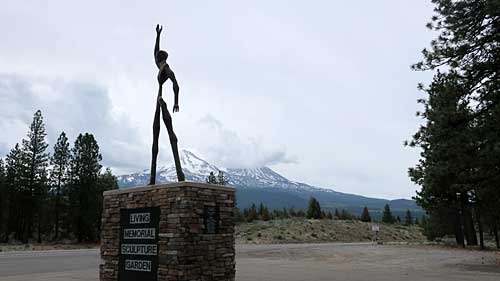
245, 214
300, 213
460, 139
365, 215
59, 176
106, 181
314, 209
387, 215
423, 222
221, 178
265, 214
84, 172
408, 218
285, 213
448, 151
435, 225
329, 216
323, 214
260, 210
17, 194
337, 215
237, 214
292, 212
277, 214
37, 160
345, 215
252, 213
211, 179
4, 205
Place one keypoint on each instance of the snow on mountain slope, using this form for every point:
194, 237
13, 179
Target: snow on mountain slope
196, 169
265, 185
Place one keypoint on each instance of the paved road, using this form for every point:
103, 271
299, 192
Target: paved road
299, 262
50, 265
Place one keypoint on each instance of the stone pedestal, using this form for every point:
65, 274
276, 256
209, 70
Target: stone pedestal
179, 231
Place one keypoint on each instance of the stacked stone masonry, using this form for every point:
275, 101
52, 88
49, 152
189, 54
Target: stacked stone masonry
185, 251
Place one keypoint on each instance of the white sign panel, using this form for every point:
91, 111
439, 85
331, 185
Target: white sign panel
139, 233
138, 218
138, 265
139, 249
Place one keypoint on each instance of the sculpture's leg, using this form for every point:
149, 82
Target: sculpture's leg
156, 135
167, 119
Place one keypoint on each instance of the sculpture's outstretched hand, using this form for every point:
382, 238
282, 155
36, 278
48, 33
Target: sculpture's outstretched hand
159, 28
176, 108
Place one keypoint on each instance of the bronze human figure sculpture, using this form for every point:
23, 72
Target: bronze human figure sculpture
164, 73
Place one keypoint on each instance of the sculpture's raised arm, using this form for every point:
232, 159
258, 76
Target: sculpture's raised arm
157, 44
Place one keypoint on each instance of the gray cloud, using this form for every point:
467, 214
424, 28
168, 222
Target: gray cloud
77, 107
328, 82
228, 149
4, 150
71, 106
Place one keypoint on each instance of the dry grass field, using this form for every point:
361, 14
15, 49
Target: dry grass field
321, 231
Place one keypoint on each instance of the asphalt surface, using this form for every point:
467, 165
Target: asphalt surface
50, 265
297, 262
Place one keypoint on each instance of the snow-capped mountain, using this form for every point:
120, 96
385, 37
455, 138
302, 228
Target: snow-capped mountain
197, 170
265, 185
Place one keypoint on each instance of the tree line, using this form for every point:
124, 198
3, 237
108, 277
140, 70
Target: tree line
52, 196
314, 211
262, 212
459, 140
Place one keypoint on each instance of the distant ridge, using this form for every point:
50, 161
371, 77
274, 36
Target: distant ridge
265, 185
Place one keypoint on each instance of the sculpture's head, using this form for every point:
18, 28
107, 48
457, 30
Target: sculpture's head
161, 56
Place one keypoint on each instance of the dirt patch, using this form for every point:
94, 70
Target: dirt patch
363, 261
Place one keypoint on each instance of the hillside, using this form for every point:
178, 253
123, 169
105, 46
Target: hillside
265, 185
316, 231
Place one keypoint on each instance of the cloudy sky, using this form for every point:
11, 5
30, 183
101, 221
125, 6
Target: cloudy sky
320, 91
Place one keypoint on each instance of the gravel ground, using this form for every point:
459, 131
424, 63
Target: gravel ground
364, 261
287, 262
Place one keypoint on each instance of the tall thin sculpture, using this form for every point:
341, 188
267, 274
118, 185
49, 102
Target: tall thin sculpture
164, 73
